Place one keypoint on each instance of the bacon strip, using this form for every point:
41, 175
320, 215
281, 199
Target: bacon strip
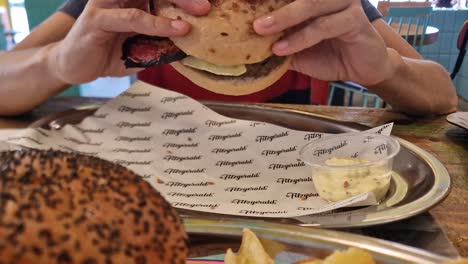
143, 51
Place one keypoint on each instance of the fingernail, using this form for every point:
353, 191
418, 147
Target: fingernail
178, 25
266, 22
281, 45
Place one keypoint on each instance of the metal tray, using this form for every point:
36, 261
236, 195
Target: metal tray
288, 244
459, 119
427, 181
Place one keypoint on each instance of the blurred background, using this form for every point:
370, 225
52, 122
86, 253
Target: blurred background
19, 17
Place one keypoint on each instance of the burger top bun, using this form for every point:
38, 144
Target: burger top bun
226, 35
65, 208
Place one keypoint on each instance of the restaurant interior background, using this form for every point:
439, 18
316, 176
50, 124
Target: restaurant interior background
24, 16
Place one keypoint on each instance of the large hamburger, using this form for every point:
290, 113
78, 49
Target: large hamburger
222, 52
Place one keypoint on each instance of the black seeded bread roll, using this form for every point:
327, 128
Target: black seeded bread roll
65, 208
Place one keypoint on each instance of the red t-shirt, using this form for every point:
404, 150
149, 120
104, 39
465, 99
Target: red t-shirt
167, 77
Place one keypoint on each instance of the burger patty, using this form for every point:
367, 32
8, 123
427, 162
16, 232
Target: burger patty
143, 51
255, 70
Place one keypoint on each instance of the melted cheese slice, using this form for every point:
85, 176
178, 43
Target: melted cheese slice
235, 70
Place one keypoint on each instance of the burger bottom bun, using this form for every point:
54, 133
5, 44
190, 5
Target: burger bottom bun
234, 86
58, 207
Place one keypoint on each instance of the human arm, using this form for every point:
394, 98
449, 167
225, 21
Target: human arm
91, 49
418, 86
24, 78
334, 40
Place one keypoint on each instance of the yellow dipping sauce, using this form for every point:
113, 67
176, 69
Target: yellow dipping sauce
340, 181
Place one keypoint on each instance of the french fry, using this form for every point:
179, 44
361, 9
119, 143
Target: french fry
358, 256
251, 251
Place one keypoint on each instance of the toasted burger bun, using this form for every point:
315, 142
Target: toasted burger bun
66, 208
225, 36
234, 86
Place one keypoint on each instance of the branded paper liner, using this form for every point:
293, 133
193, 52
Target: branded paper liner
198, 159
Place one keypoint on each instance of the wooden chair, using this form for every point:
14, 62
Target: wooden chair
384, 5
352, 89
38, 11
410, 19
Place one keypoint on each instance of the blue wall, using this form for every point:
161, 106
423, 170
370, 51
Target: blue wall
444, 51
2, 39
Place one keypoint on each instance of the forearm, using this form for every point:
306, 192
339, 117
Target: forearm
417, 87
26, 79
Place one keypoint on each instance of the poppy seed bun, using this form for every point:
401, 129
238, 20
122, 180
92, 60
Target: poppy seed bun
225, 36
66, 208
231, 85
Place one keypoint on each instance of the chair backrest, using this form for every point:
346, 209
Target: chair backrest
462, 36
410, 23
384, 5
461, 45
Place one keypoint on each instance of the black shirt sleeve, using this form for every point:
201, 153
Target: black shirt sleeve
73, 7
370, 10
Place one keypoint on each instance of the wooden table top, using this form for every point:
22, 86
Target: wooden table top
431, 36
446, 142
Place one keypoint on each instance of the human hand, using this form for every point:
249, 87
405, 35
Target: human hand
93, 47
330, 40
